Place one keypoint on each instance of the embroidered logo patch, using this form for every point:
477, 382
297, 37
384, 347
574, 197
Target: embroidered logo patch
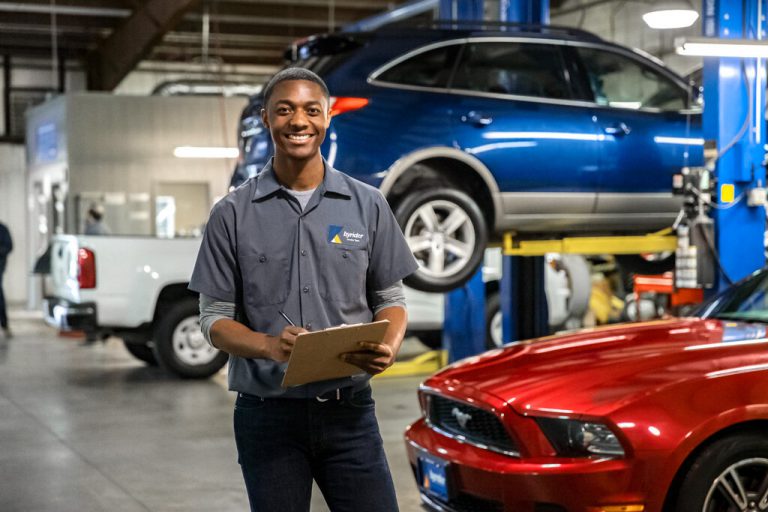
333, 234
341, 235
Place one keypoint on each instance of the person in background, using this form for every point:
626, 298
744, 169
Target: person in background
94, 221
6, 246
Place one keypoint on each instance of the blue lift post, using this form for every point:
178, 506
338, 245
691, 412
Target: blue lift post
464, 324
523, 301
522, 292
734, 117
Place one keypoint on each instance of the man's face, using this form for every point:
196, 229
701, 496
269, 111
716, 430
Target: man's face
297, 117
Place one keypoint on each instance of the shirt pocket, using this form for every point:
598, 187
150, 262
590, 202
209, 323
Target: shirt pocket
269, 280
343, 278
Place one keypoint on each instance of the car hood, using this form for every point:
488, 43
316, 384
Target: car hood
596, 371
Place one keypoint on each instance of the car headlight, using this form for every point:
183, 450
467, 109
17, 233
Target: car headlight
572, 438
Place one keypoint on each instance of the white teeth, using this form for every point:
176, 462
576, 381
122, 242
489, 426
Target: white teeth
298, 137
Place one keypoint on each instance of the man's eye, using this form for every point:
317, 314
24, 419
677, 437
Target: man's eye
313, 111
283, 110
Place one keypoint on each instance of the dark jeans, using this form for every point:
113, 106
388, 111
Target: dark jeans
283, 444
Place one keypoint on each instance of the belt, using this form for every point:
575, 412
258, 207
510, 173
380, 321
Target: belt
335, 395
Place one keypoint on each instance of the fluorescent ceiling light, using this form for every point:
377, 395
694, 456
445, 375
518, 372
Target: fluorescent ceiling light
203, 152
670, 18
713, 47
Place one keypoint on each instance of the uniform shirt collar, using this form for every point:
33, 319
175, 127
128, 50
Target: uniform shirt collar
266, 182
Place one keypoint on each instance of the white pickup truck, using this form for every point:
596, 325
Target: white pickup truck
134, 288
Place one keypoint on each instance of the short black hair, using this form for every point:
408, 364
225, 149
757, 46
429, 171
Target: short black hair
95, 213
294, 74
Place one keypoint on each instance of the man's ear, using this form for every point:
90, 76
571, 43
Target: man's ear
264, 118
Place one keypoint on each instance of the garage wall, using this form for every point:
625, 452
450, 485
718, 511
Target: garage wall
118, 148
622, 23
12, 214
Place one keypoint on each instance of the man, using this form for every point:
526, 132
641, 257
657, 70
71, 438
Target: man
6, 246
94, 221
303, 243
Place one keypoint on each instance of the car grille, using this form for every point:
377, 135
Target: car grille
473, 424
468, 503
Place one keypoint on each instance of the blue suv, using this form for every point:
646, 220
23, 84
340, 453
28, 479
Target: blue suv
541, 130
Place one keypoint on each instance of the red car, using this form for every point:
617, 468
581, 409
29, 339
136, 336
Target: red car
670, 415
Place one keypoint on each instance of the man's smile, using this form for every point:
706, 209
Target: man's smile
299, 137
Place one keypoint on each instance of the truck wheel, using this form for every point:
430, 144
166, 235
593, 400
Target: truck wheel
142, 352
493, 321
447, 234
180, 346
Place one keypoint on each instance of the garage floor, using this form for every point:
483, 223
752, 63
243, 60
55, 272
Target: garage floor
87, 428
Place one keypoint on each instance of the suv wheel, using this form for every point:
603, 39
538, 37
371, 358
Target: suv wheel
447, 234
180, 346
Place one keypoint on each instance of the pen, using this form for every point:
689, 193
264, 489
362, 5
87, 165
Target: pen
286, 318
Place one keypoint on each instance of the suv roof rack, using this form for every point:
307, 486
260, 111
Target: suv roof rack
503, 26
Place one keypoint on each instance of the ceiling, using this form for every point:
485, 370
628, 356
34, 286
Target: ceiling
110, 37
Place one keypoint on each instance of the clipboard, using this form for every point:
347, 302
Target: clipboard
315, 355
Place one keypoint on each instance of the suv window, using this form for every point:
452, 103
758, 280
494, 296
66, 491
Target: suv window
431, 68
620, 81
512, 68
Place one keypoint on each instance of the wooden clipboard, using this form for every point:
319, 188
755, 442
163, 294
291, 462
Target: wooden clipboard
315, 355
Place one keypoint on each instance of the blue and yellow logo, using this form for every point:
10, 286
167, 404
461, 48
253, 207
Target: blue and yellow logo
333, 234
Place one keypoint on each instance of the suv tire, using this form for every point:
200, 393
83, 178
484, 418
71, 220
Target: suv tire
180, 347
443, 264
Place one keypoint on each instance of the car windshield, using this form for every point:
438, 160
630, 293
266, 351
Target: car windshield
746, 300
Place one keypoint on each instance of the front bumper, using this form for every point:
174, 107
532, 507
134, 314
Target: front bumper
484, 480
69, 316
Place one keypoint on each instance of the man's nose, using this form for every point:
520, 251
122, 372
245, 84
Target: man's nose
299, 118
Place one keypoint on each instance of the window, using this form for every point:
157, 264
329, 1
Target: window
512, 68
431, 68
619, 81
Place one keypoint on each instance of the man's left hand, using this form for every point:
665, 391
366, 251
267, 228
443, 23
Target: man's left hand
372, 357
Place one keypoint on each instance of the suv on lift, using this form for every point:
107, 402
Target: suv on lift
539, 130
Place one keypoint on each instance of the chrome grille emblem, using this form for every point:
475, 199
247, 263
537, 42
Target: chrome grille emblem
461, 417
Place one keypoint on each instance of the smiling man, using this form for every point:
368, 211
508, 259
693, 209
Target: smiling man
302, 243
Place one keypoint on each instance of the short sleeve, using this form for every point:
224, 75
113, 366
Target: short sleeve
391, 259
216, 272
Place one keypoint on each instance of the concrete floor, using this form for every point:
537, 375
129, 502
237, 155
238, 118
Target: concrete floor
87, 428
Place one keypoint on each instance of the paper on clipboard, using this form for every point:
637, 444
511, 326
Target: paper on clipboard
315, 355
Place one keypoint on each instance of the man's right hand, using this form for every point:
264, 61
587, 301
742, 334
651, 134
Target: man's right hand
281, 346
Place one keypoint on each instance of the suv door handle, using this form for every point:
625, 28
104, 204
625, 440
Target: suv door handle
476, 118
619, 129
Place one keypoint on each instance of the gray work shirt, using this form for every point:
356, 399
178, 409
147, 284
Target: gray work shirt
318, 266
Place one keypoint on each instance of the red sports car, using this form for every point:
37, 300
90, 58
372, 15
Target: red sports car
670, 415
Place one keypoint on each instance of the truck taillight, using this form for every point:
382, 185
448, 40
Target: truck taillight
346, 104
86, 269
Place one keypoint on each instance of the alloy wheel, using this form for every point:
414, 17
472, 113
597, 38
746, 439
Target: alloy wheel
441, 236
742, 487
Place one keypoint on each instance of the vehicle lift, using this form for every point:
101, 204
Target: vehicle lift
734, 130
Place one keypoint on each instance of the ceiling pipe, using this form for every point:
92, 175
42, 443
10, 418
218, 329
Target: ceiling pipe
402, 12
64, 10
